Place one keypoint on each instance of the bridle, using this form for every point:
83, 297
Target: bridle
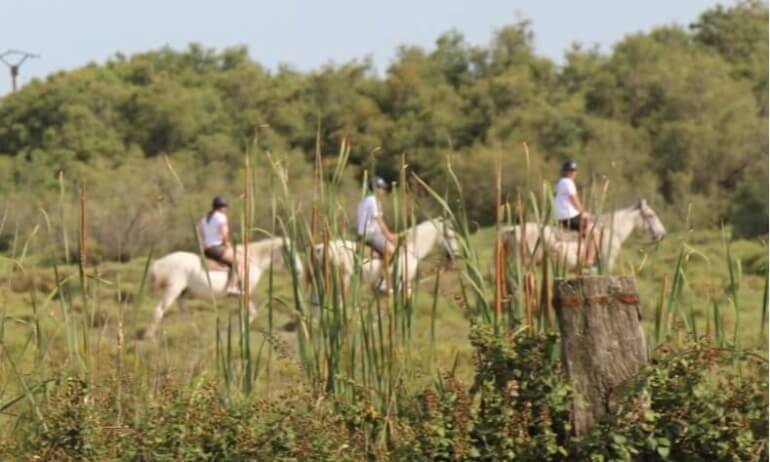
649, 220
447, 243
446, 239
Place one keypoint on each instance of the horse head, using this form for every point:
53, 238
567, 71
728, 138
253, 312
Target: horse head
276, 252
288, 255
448, 240
649, 220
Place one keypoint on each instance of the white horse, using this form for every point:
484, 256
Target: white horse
612, 230
180, 275
418, 242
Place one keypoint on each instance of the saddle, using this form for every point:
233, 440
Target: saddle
565, 235
369, 253
213, 265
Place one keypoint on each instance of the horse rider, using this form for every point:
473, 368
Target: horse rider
570, 211
214, 235
371, 226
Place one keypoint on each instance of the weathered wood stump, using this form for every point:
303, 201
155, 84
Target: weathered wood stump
603, 344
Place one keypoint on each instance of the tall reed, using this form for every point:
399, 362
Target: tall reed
352, 346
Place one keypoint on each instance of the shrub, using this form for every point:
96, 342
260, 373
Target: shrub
750, 204
524, 409
441, 425
695, 403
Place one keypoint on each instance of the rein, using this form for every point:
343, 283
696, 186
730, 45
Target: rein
647, 218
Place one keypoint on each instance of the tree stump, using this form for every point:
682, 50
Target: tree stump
602, 341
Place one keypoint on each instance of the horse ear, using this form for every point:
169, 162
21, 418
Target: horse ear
642, 203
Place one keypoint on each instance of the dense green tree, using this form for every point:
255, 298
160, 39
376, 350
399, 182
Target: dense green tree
677, 115
739, 34
750, 205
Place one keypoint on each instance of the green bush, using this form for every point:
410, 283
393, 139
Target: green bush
694, 402
187, 424
440, 423
677, 115
524, 409
750, 204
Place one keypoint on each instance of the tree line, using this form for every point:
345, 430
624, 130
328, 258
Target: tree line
678, 114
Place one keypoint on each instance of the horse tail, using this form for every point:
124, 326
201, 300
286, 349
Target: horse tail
307, 275
286, 254
157, 278
300, 268
314, 269
307, 270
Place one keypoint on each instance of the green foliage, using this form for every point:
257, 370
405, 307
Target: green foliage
68, 435
749, 213
522, 412
524, 409
739, 35
676, 115
188, 424
690, 403
440, 423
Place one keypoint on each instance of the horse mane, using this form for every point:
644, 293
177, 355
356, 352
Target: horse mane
263, 249
436, 222
607, 217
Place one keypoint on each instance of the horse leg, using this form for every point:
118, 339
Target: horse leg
599, 237
182, 303
408, 274
169, 295
408, 287
344, 282
382, 281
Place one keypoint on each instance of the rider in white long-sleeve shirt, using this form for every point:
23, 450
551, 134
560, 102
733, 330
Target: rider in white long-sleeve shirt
570, 211
214, 236
370, 224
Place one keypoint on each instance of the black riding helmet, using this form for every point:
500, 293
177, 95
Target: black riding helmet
218, 202
569, 166
378, 182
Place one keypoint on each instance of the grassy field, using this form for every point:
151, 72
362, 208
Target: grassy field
35, 339
372, 355
363, 371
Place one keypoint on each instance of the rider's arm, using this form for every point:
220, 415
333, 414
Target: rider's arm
224, 229
199, 232
385, 230
578, 205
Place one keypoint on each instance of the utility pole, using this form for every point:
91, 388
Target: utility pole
15, 64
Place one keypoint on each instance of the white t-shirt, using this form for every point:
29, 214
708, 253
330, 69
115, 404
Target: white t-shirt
211, 229
366, 214
562, 204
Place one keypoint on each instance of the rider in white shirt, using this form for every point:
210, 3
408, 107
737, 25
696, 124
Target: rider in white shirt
214, 236
569, 209
370, 225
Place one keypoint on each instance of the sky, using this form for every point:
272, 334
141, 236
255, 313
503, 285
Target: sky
308, 34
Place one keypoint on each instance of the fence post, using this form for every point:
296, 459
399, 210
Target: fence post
602, 341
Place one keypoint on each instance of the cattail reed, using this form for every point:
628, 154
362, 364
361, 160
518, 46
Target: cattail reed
83, 238
354, 347
245, 281
499, 268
